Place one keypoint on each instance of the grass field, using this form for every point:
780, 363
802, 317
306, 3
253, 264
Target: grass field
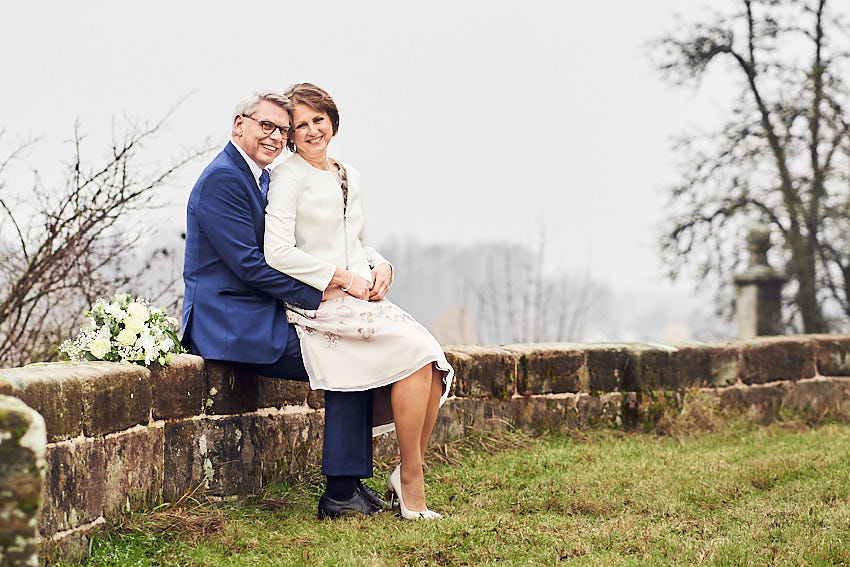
741, 495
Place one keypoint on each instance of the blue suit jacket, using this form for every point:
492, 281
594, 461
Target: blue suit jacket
232, 307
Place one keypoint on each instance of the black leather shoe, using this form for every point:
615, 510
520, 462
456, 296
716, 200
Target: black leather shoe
357, 504
373, 496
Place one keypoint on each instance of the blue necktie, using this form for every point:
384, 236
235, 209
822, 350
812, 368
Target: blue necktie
264, 185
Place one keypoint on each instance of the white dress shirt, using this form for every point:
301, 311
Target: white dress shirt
255, 169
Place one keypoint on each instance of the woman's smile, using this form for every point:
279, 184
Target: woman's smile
312, 129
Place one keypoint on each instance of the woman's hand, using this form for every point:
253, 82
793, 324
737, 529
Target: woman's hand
348, 282
359, 287
382, 274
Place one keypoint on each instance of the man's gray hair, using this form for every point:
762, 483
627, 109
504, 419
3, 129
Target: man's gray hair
250, 103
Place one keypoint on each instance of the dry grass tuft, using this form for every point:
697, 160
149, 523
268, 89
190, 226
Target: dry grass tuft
272, 503
694, 417
489, 442
193, 517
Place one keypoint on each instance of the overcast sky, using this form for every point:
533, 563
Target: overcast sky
470, 120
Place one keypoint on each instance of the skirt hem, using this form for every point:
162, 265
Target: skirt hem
447, 378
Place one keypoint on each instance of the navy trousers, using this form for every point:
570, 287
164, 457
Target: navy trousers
347, 449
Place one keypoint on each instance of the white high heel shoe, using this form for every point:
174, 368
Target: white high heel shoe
394, 490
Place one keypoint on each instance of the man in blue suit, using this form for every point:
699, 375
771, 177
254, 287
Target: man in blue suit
233, 308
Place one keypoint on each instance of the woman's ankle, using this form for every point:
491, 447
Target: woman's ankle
413, 488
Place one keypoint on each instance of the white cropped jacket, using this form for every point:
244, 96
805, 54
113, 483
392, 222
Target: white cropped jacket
306, 234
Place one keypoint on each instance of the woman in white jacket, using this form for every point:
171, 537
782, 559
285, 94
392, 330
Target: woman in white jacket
356, 340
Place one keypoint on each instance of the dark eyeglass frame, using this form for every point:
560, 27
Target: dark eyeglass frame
268, 127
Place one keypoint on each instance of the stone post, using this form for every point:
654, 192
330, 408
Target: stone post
23, 440
759, 290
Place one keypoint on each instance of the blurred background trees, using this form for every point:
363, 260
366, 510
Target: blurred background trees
782, 157
64, 244
493, 293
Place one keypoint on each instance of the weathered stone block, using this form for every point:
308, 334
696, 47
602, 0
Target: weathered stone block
178, 389
606, 366
214, 453
6, 387
459, 361
134, 469
650, 406
74, 486
651, 367
761, 403
485, 371
382, 406
54, 392
694, 366
776, 358
603, 410
832, 354
103, 476
547, 368
539, 414
276, 392
819, 395
289, 443
22, 444
458, 415
316, 399
386, 446
230, 390
68, 546
115, 397
545, 414
707, 364
724, 364
91, 397
182, 462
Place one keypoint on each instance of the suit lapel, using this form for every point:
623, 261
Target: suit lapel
239, 161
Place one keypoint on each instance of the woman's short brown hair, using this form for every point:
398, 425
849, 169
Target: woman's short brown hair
316, 98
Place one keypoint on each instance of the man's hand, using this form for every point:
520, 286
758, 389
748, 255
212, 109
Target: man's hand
381, 275
332, 292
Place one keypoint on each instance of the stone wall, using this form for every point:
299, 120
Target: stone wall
121, 437
22, 445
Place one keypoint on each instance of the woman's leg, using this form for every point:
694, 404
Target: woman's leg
432, 409
410, 397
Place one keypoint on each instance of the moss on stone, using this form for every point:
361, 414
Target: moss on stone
29, 505
14, 423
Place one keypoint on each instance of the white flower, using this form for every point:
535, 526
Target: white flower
165, 345
138, 311
99, 348
134, 324
147, 341
115, 311
126, 337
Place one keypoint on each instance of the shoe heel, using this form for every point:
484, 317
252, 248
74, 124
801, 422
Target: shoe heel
389, 495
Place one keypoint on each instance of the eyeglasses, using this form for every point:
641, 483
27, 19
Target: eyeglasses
268, 128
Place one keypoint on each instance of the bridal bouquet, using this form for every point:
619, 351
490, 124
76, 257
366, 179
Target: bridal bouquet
126, 329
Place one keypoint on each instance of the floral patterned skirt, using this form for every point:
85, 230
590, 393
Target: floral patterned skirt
348, 344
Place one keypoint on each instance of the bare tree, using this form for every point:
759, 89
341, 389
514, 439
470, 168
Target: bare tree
64, 246
783, 157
